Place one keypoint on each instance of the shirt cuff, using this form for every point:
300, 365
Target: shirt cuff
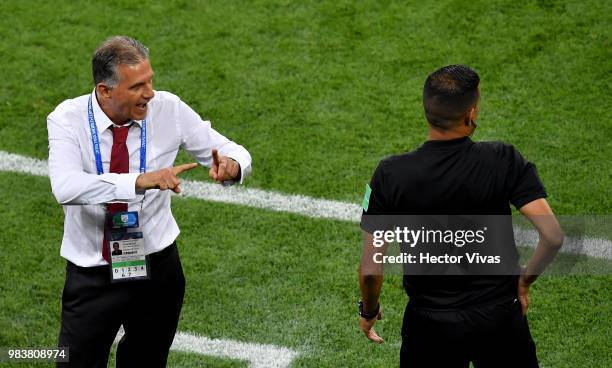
245, 167
125, 185
521, 201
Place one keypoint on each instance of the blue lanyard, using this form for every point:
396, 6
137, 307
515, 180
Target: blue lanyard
96, 142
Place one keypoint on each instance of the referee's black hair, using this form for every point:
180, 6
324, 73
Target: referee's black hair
449, 93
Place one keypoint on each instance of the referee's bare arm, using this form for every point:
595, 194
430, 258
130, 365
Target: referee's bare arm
370, 284
550, 241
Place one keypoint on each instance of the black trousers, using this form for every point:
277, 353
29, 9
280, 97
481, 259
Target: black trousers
93, 309
491, 336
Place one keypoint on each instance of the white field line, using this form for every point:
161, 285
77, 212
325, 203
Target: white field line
303, 205
257, 355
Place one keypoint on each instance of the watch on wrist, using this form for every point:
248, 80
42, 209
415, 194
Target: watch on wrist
370, 315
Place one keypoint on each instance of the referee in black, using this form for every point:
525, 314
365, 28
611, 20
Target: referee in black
451, 321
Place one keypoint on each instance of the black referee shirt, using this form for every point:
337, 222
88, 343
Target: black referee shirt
455, 177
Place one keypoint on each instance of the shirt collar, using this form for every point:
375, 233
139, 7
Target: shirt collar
103, 121
446, 144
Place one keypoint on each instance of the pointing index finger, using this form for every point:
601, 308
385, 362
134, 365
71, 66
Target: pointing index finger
215, 156
184, 167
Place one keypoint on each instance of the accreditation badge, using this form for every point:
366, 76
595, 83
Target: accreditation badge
126, 247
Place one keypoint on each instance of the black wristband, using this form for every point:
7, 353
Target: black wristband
366, 315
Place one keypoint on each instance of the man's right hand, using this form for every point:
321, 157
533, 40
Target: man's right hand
163, 179
367, 326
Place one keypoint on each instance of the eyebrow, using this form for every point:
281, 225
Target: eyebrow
141, 83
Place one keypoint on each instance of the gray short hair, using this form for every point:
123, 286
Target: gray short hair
112, 52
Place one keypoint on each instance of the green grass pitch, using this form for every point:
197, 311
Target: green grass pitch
318, 92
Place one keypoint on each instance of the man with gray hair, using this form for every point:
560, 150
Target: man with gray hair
111, 165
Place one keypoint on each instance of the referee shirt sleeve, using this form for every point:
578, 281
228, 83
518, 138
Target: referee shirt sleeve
525, 184
372, 216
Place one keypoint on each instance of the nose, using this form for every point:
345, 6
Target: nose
148, 91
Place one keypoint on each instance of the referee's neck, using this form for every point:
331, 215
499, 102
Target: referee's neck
445, 135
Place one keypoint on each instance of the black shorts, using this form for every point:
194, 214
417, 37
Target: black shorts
491, 336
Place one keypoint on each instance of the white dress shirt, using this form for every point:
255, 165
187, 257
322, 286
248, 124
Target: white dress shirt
171, 124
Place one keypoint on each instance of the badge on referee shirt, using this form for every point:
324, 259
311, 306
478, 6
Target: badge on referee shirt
366, 198
126, 247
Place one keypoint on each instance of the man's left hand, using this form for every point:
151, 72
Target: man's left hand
523, 294
223, 168
368, 327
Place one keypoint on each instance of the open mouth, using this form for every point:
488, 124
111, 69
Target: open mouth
142, 106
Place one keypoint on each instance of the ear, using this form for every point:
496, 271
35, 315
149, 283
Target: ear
469, 117
102, 90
